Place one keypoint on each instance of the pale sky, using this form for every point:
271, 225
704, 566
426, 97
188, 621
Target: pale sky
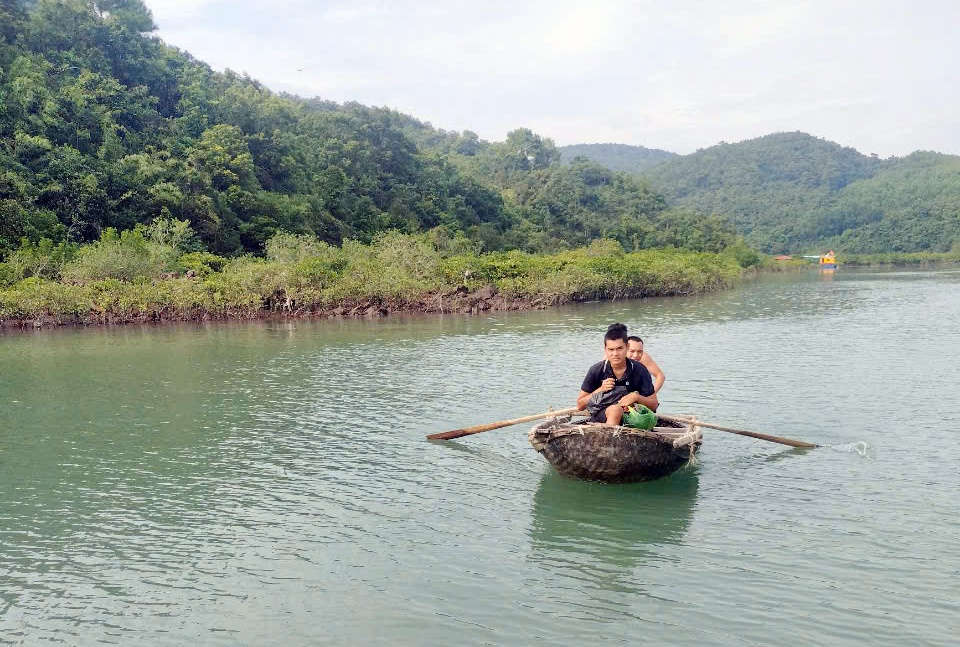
878, 75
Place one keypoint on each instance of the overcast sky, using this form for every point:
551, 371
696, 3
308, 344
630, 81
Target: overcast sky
878, 75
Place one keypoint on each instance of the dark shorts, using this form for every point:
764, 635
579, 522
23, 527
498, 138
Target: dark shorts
599, 416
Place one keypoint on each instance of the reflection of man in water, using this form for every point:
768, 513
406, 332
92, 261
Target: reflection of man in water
609, 542
617, 382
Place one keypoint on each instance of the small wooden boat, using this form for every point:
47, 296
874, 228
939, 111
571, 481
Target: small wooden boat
612, 454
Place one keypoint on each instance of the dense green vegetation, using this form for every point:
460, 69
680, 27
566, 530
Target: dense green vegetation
768, 186
103, 126
150, 274
910, 205
617, 157
791, 192
900, 259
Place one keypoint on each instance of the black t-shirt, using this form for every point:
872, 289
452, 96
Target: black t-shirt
635, 378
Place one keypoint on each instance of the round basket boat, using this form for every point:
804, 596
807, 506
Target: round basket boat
612, 454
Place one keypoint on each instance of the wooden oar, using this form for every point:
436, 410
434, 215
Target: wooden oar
742, 432
457, 433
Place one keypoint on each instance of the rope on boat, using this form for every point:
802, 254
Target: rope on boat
692, 460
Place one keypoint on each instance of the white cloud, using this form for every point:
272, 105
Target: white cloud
682, 75
165, 9
349, 13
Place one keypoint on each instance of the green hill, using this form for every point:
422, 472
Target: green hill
765, 185
790, 192
912, 204
102, 125
617, 157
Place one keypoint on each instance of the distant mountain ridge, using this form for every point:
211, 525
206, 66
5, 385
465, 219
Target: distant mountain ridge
617, 157
791, 192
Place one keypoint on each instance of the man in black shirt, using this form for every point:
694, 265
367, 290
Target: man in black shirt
617, 382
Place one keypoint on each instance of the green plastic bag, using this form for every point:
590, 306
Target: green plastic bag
639, 417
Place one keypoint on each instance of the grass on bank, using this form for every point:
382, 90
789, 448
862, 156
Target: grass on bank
152, 273
897, 259
900, 259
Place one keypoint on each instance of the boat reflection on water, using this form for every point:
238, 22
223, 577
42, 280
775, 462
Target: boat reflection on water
601, 534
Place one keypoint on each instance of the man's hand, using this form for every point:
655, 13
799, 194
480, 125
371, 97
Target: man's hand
629, 400
607, 385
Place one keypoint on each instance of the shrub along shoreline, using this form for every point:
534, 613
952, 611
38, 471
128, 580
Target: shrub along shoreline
144, 276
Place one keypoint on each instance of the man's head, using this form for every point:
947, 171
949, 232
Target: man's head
634, 347
615, 344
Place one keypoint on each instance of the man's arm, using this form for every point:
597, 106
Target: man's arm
658, 377
585, 396
645, 393
634, 397
583, 399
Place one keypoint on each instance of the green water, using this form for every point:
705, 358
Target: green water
266, 484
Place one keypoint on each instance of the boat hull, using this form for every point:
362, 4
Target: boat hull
611, 454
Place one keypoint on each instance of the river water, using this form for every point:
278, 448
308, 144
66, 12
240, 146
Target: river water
269, 483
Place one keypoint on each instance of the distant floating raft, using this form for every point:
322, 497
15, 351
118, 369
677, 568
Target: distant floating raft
598, 452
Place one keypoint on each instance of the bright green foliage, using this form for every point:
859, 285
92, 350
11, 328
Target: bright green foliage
558, 207
36, 297
201, 263
117, 255
143, 253
170, 233
745, 255
121, 277
44, 260
293, 248
604, 248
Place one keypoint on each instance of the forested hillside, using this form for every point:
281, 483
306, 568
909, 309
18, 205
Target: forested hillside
912, 204
104, 126
790, 192
767, 186
617, 157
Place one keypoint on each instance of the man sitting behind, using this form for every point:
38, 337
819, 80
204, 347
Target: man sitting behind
617, 382
635, 352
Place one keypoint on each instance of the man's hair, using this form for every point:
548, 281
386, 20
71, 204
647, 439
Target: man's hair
616, 331
634, 338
